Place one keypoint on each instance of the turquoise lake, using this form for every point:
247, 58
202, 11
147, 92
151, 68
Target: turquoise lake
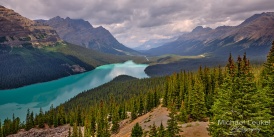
43, 95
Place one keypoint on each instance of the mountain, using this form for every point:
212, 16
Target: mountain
31, 52
17, 30
253, 36
154, 43
81, 32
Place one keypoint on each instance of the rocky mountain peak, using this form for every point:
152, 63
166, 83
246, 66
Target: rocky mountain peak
199, 29
81, 32
17, 30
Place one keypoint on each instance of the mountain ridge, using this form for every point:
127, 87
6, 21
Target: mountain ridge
81, 32
254, 36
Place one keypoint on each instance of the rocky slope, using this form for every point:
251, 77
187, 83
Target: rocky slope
254, 36
17, 30
81, 32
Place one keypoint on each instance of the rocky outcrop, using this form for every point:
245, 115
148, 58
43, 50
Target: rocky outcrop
17, 30
61, 131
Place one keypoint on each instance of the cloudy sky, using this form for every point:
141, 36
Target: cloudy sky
133, 22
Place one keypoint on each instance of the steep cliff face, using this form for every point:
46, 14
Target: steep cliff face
17, 30
81, 32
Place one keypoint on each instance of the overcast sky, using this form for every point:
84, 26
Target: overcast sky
133, 22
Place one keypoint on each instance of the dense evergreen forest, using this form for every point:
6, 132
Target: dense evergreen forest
223, 96
26, 65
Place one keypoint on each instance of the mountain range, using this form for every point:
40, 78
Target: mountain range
253, 36
81, 32
32, 52
154, 43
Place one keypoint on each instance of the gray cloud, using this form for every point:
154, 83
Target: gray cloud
135, 21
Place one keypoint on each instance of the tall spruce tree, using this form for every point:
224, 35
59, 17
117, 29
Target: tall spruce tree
267, 78
137, 131
161, 131
134, 111
183, 114
199, 109
172, 125
141, 107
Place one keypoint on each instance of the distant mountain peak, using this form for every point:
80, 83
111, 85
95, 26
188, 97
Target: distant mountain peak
255, 17
201, 29
81, 32
254, 36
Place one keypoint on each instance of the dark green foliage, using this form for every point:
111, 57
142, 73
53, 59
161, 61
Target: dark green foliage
92, 124
75, 131
153, 131
183, 114
161, 131
199, 110
137, 131
172, 125
10, 126
134, 111
30, 65
141, 107
115, 126
29, 120
239, 100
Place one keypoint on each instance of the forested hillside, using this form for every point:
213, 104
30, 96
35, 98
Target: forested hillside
236, 92
28, 65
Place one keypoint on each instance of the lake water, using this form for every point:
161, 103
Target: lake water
42, 95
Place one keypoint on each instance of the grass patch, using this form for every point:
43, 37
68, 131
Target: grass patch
189, 125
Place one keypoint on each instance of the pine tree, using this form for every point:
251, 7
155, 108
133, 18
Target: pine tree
74, 130
153, 131
28, 121
267, 78
115, 126
41, 119
199, 109
183, 114
172, 125
161, 131
137, 131
141, 107
92, 124
102, 124
165, 98
155, 99
134, 111
220, 76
